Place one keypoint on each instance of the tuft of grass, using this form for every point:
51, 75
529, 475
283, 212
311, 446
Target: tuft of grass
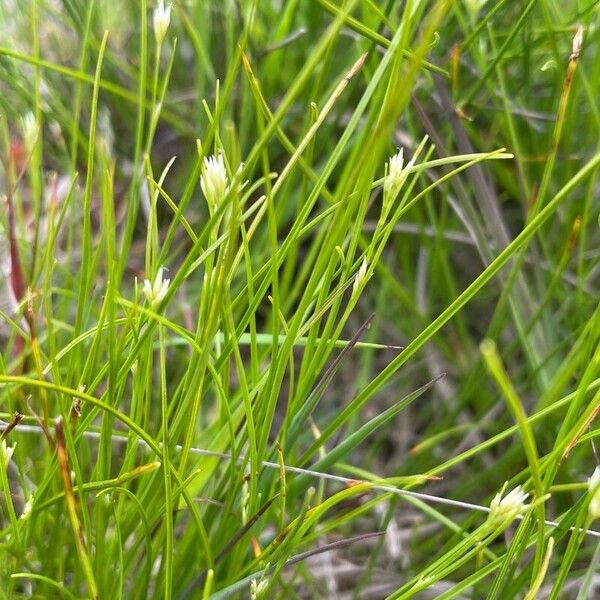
300, 300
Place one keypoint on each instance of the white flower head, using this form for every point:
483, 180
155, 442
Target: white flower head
30, 131
549, 64
395, 166
257, 588
509, 507
161, 20
7, 451
156, 291
105, 133
245, 500
594, 489
27, 508
214, 181
360, 276
396, 174
474, 6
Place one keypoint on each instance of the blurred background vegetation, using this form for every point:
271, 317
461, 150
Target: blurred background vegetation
473, 76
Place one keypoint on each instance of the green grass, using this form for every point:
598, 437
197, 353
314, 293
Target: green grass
244, 354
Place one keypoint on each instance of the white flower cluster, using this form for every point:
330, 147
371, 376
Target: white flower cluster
161, 21
27, 508
396, 175
245, 500
214, 181
509, 507
30, 131
360, 277
594, 489
7, 451
257, 588
156, 291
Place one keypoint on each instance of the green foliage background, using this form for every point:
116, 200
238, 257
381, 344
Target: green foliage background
338, 379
